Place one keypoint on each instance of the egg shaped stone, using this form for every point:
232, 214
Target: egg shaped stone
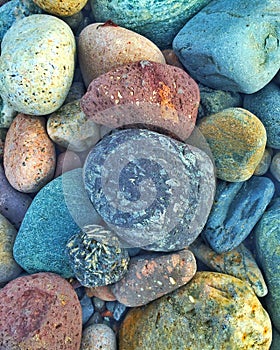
37, 64
61, 8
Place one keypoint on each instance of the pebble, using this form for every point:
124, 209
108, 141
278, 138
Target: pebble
212, 311
151, 276
87, 308
9, 269
76, 92
236, 210
96, 318
61, 8
98, 303
266, 105
98, 336
236, 154
40, 311
28, 82
69, 127
103, 47
238, 262
275, 166
267, 238
29, 154
102, 292
169, 100
158, 21
171, 58
67, 161
242, 58
264, 164
170, 172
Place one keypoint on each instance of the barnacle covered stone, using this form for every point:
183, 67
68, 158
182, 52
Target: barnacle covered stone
96, 263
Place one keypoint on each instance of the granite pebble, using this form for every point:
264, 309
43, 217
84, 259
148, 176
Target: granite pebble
99, 336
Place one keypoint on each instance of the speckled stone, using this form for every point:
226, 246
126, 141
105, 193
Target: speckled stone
236, 210
102, 292
69, 127
103, 47
236, 154
275, 166
159, 21
151, 94
149, 175
238, 262
29, 154
97, 337
212, 311
67, 161
37, 64
264, 164
242, 58
61, 8
151, 276
267, 238
40, 311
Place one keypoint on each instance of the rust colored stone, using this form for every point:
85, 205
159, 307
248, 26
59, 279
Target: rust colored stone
103, 293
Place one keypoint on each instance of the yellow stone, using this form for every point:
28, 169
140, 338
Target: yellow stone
61, 8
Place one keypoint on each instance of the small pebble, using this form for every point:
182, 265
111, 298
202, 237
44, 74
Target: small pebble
76, 92
87, 308
98, 336
264, 164
61, 8
275, 166
67, 161
102, 292
94, 319
171, 58
98, 303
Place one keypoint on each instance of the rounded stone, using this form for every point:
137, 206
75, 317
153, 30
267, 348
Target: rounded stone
101, 292
264, 164
37, 64
98, 336
29, 154
212, 311
40, 311
61, 8
67, 161
237, 153
275, 166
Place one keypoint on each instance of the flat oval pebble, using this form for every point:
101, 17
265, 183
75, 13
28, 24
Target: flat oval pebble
161, 190
40, 311
232, 45
212, 311
237, 153
29, 154
147, 93
103, 47
61, 8
37, 64
152, 276
98, 336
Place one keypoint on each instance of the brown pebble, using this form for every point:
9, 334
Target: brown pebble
171, 58
103, 293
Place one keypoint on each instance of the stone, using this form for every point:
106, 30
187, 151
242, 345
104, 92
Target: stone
151, 276
238, 262
76, 92
9, 269
275, 166
265, 104
242, 58
103, 47
212, 311
168, 102
267, 238
67, 161
161, 190
7, 115
37, 64
40, 311
98, 336
102, 292
61, 8
236, 154
171, 58
69, 127
74, 21
29, 154
87, 308
3, 133
275, 340
236, 210
264, 163
158, 21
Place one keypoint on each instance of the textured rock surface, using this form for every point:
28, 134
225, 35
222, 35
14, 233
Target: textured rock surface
236, 154
40, 311
212, 311
61, 8
29, 154
147, 93
98, 336
244, 57
264, 164
275, 166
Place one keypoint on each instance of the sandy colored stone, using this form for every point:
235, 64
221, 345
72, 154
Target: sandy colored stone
98, 336
61, 8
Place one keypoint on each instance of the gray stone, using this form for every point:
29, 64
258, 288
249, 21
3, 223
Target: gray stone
87, 308
275, 166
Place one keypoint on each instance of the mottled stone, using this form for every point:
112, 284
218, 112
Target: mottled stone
151, 276
29, 154
148, 93
97, 337
237, 153
40, 311
236, 210
275, 166
37, 64
61, 8
212, 311
264, 163
238, 262
232, 45
160, 193
67, 161
102, 292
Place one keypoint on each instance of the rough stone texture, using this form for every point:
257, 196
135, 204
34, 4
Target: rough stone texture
212, 311
232, 45
37, 64
236, 210
237, 153
40, 311
102, 292
61, 8
267, 238
275, 166
264, 164
29, 154
98, 336
266, 105
152, 276
160, 193
104, 47
239, 262
67, 161
147, 93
